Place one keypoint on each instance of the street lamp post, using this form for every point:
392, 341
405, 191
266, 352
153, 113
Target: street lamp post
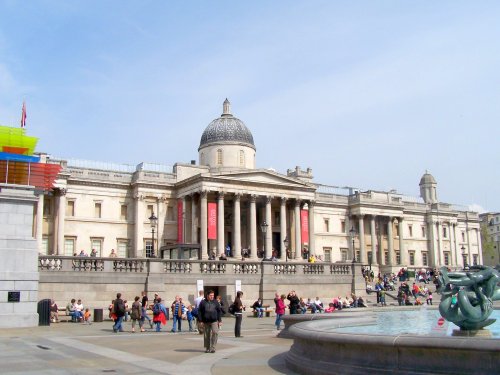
370, 255
263, 228
352, 232
464, 256
153, 220
286, 242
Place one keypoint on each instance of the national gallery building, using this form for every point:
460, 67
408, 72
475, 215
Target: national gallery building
225, 204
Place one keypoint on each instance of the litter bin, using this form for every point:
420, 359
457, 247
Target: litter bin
44, 312
98, 316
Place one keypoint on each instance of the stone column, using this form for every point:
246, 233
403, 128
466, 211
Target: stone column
137, 251
440, 244
194, 225
390, 239
381, 249
432, 242
298, 236
39, 223
237, 226
283, 228
362, 246
312, 243
374, 240
220, 223
269, 233
253, 228
453, 245
402, 250
61, 213
204, 225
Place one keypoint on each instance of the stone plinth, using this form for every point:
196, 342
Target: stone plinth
19, 255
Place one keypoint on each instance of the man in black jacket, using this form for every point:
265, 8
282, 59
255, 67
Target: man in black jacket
294, 302
210, 314
119, 309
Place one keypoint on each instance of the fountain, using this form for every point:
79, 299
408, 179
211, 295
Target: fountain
466, 300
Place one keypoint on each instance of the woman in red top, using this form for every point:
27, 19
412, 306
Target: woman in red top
280, 309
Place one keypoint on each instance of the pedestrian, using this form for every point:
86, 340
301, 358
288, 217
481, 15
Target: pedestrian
196, 310
159, 313
238, 313
136, 314
119, 311
280, 309
144, 312
210, 314
177, 307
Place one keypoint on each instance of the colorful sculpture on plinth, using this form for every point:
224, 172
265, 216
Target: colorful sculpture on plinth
18, 165
467, 297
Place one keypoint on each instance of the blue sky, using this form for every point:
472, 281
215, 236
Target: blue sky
369, 94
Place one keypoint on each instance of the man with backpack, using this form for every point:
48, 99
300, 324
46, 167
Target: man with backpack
210, 314
119, 311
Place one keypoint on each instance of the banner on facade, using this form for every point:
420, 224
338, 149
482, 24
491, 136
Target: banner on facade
212, 221
180, 222
304, 225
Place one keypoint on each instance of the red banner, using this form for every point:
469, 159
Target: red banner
180, 222
212, 221
304, 225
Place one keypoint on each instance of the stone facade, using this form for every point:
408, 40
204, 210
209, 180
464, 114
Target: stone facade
107, 207
490, 236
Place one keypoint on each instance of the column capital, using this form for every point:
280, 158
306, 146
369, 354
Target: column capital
269, 198
61, 192
283, 201
237, 196
297, 202
203, 193
312, 203
220, 195
361, 216
253, 198
139, 196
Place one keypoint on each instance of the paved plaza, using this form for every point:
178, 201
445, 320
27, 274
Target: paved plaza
73, 348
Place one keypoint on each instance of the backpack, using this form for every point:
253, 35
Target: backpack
156, 309
119, 308
232, 309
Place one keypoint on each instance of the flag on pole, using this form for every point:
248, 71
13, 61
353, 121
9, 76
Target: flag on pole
23, 116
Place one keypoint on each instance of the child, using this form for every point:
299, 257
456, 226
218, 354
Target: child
429, 298
86, 316
190, 317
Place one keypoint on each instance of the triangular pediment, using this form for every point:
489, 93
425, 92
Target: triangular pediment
262, 176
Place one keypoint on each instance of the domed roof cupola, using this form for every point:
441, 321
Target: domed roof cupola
226, 129
428, 188
226, 143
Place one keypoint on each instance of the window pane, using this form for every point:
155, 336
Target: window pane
123, 249
96, 244
69, 246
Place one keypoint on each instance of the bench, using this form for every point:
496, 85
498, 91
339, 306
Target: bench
267, 311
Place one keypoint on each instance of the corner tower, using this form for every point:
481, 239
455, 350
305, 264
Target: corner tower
227, 143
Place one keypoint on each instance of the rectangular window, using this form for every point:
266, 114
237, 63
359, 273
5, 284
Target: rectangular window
327, 225
96, 244
276, 218
412, 258
424, 258
69, 246
45, 245
47, 204
150, 210
463, 236
446, 258
342, 226
464, 259
358, 256
343, 255
97, 209
70, 209
170, 213
474, 259
410, 230
149, 248
327, 251
386, 257
122, 246
423, 231
445, 232
123, 212
398, 257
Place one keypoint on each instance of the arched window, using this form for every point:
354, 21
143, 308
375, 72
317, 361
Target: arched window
242, 158
219, 157
202, 159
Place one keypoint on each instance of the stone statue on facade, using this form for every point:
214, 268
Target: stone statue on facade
467, 296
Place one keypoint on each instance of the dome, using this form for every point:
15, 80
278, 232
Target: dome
427, 178
226, 129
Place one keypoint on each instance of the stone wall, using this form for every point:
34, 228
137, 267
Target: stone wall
19, 255
97, 280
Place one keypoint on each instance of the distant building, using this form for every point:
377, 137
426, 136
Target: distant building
490, 237
225, 200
